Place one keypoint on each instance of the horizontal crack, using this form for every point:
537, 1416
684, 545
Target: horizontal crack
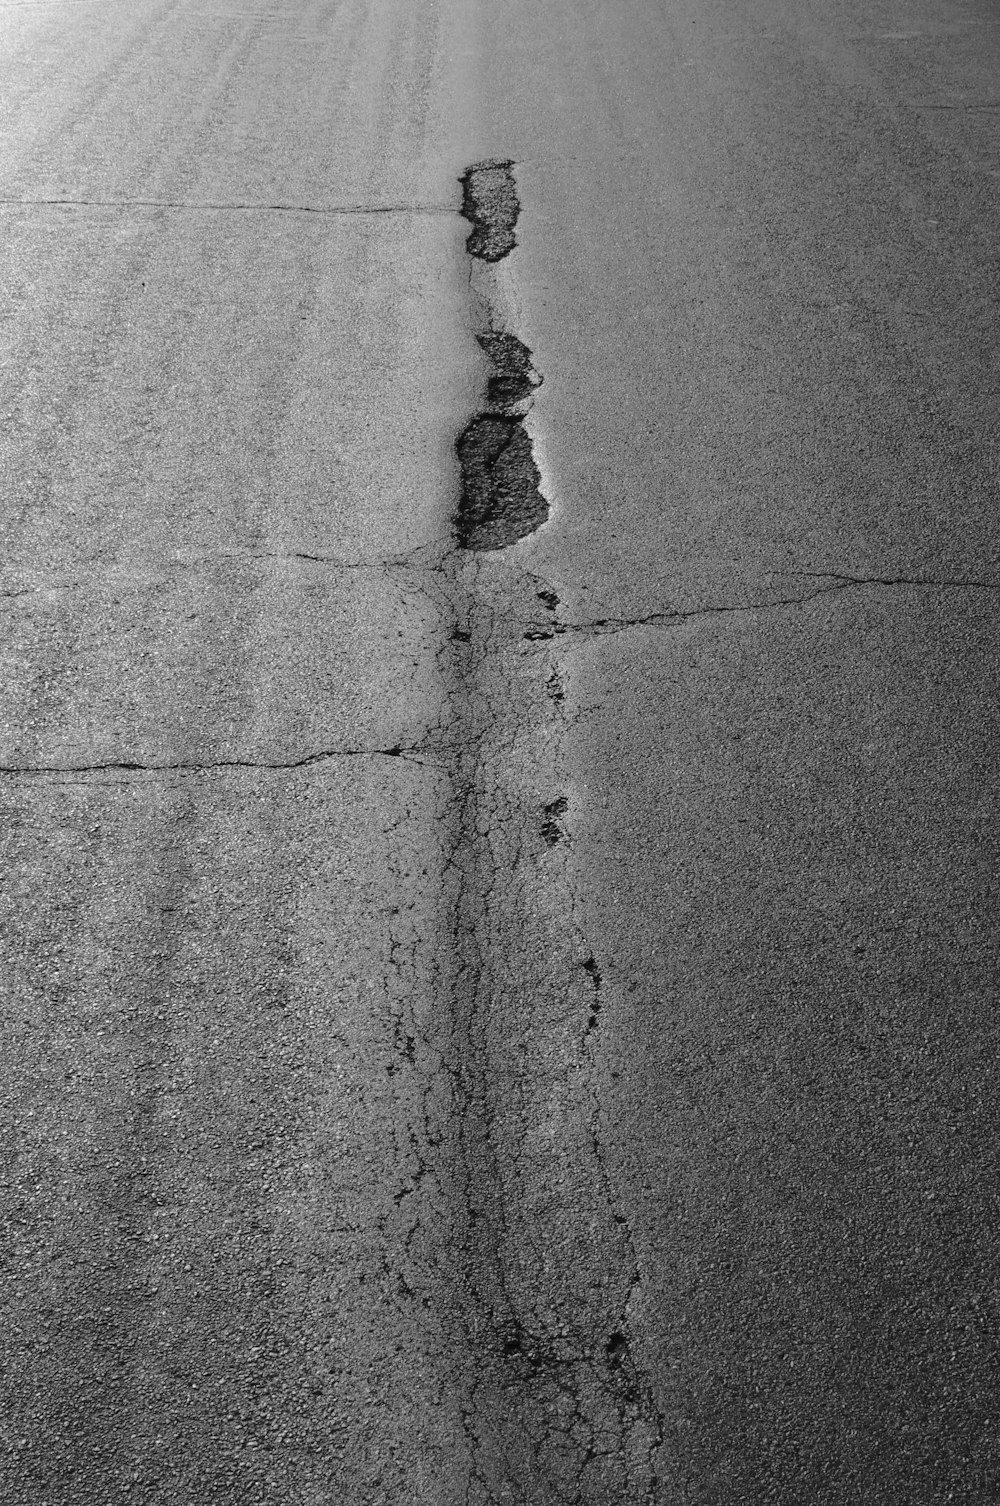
599, 625
411, 562
899, 580
196, 206
988, 105
182, 766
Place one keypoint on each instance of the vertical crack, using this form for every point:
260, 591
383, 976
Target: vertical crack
543, 1260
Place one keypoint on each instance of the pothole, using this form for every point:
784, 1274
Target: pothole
500, 501
513, 378
490, 204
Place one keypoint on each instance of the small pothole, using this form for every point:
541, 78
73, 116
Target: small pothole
552, 827
616, 1349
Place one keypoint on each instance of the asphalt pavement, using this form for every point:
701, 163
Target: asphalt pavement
497, 753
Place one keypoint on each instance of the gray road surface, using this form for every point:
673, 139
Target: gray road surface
493, 1026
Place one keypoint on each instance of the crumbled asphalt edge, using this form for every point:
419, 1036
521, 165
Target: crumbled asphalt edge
543, 1262
501, 499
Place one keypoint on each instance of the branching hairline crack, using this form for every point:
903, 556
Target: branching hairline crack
835, 583
411, 561
842, 579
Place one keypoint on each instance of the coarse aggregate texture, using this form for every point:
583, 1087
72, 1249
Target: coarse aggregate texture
206, 1268
803, 1004
221, 922
509, 1023
763, 301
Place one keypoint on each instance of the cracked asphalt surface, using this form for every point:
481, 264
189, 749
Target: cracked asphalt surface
497, 1016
